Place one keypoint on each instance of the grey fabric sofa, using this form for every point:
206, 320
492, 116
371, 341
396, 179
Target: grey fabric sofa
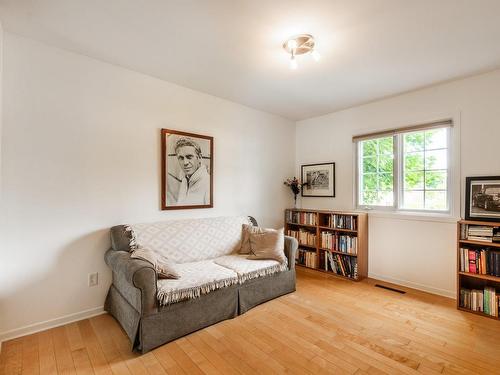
132, 297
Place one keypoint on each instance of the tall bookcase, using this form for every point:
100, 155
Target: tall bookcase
334, 242
476, 260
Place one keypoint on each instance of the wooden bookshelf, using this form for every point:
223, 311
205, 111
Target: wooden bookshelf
321, 221
478, 276
471, 280
478, 313
480, 243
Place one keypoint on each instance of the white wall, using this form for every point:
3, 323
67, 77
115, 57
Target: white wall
417, 253
80, 153
1, 117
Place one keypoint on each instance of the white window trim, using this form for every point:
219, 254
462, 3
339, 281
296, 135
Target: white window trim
454, 178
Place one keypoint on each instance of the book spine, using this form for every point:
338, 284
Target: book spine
486, 301
496, 263
461, 257
472, 261
490, 263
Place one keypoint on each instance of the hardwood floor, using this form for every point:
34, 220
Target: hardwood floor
327, 326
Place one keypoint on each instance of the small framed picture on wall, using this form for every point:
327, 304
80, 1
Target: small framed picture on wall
186, 170
318, 180
482, 196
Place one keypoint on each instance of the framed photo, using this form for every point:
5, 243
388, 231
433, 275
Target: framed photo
482, 196
186, 170
318, 180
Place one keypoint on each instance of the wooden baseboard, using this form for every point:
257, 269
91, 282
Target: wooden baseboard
52, 323
424, 288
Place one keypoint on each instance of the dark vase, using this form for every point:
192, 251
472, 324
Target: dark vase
295, 190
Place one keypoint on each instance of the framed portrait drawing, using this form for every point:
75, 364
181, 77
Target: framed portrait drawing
186, 170
482, 196
318, 180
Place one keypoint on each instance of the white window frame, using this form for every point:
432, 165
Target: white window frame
398, 187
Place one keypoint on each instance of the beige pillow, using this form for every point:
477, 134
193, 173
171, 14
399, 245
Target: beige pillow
245, 237
166, 269
268, 244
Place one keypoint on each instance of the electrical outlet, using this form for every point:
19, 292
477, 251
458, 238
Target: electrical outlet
93, 279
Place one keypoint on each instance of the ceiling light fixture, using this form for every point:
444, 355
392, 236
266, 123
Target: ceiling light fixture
300, 45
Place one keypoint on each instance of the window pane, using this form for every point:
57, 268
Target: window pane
414, 161
436, 138
425, 170
386, 163
436, 180
376, 169
436, 159
369, 198
414, 180
414, 200
386, 146
385, 181
435, 200
414, 142
378, 198
369, 165
369, 181
385, 198
370, 148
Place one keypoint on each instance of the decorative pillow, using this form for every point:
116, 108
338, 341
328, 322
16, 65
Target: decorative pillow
245, 237
268, 244
165, 268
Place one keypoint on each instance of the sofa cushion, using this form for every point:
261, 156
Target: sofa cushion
268, 244
185, 241
247, 269
245, 237
196, 278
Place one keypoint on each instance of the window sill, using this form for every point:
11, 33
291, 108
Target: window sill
413, 216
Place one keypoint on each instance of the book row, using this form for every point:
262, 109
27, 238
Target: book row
341, 265
343, 243
307, 258
342, 221
303, 236
308, 218
486, 300
480, 261
480, 233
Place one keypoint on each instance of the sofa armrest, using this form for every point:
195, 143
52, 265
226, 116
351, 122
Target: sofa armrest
291, 246
135, 279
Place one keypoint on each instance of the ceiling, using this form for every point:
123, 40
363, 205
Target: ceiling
232, 48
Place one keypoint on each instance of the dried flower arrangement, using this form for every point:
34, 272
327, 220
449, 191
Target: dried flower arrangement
295, 186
